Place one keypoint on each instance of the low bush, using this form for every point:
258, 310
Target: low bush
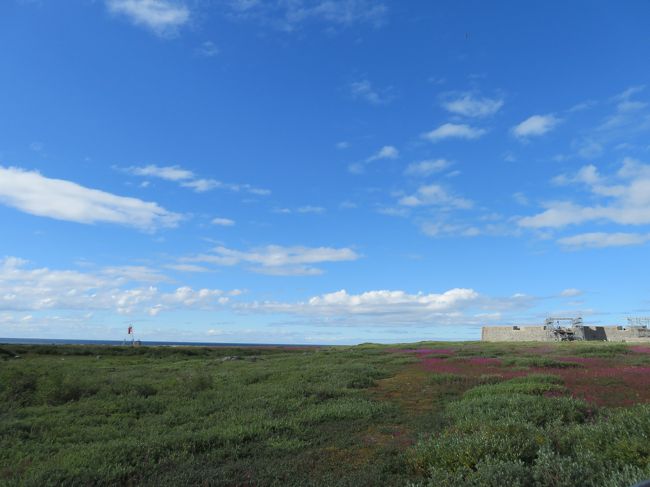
511, 434
541, 362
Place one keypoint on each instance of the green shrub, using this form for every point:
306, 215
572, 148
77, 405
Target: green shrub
510, 434
57, 389
18, 387
542, 362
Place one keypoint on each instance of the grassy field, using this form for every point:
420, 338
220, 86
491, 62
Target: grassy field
422, 414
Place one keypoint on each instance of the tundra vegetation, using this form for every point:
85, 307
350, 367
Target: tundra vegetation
426, 414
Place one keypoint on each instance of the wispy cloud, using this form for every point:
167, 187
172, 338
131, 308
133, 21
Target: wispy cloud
624, 196
435, 195
33, 193
444, 229
627, 113
468, 105
454, 131
535, 126
208, 49
223, 222
603, 239
385, 152
277, 259
307, 209
170, 173
290, 15
571, 292
163, 17
427, 167
188, 179
364, 90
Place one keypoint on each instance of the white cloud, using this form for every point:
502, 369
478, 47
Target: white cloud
310, 209
535, 125
470, 106
602, 239
373, 303
169, 173
224, 222
625, 199
134, 273
364, 90
426, 168
202, 185
107, 289
290, 15
520, 198
307, 209
163, 17
458, 306
187, 179
442, 229
187, 268
35, 194
435, 195
571, 292
208, 49
386, 152
454, 130
276, 259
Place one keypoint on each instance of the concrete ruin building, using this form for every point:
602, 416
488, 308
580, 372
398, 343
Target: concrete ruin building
569, 329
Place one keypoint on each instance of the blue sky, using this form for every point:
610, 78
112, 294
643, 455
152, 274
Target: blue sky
321, 171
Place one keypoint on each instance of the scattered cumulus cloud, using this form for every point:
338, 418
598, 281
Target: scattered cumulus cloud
624, 199
169, 173
124, 290
375, 303
457, 306
187, 179
223, 222
33, 193
535, 126
435, 195
454, 131
386, 152
163, 17
277, 259
468, 105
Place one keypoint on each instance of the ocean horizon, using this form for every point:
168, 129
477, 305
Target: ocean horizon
144, 343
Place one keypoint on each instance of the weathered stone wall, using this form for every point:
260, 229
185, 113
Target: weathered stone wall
622, 334
542, 333
515, 334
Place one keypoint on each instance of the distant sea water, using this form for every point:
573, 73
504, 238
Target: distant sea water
65, 341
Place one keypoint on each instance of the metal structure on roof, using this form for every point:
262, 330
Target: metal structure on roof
638, 321
573, 330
